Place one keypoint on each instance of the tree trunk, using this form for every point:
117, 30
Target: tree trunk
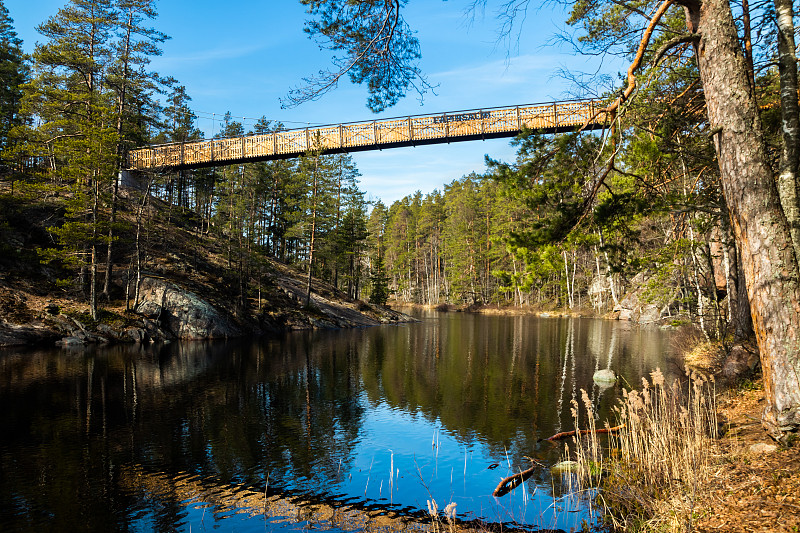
93, 274
758, 223
790, 125
93, 284
701, 312
120, 155
744, 320
738, 304
313, 230
139, 214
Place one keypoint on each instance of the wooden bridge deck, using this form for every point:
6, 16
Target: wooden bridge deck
370, 135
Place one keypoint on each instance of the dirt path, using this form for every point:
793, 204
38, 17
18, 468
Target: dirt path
757, 484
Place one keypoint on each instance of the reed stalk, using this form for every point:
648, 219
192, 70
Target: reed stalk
650, 472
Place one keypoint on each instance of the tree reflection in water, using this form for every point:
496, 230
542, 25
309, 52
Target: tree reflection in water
323, 414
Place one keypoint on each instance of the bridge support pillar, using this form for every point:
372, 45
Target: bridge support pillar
131, 180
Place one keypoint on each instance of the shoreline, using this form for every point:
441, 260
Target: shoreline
170, 312
499, 310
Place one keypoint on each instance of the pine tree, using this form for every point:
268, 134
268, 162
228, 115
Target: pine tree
179, 127
399, 242
13, 73
315, 169
78, 125
349, 243
380, 283
348, 200
432, 248
129, 80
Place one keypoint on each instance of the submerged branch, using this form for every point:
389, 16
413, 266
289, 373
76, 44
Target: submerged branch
565, 434
513, 481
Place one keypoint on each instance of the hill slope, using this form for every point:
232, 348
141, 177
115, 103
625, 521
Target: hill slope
192, 283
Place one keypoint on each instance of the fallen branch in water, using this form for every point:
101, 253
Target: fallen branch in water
512, 482
565, 434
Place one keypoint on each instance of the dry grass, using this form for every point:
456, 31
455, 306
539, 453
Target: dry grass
751, 490
653, 470
706, 357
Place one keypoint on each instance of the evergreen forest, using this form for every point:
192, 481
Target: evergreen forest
652, 242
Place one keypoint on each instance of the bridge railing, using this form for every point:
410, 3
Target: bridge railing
360, 135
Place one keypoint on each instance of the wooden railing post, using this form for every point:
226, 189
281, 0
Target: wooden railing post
519, 120
555, 115
341, 138
410, 131
375, 139
274, 143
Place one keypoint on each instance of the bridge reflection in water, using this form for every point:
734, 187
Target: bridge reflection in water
477, 124
226, 499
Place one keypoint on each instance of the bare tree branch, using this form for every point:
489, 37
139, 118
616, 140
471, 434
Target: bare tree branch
672, 43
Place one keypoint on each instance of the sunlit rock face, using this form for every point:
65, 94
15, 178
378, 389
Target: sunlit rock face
637, 305
183, 313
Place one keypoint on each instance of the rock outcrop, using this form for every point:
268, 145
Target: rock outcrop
182, 313
17, 335
741, 359
635, 307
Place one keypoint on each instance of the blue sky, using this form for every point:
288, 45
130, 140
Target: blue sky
243, 56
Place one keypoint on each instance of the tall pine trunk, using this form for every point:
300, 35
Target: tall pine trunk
313, 228
757, 220
120, 156
93, 271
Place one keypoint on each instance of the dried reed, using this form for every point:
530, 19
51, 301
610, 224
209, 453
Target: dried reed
651, 471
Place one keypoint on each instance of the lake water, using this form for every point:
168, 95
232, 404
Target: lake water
340, 430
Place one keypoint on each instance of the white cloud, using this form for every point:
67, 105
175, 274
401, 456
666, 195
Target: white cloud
393, 174
209, 55
506, 72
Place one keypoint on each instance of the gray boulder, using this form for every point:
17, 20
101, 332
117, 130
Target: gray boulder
739, 361
70, 341
183, 313
636, 305
149, 309
605, 376
137, 335
17, 335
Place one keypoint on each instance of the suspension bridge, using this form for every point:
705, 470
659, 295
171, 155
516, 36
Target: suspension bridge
474, 124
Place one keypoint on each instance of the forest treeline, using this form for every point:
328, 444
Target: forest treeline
521, 233
85, 96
